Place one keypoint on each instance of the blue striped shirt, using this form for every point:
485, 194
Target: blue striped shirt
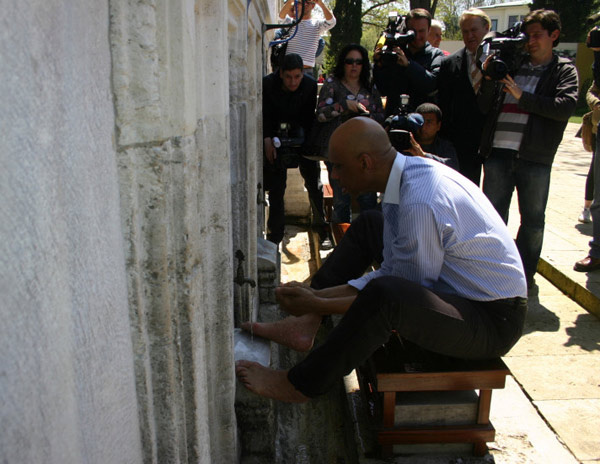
441, 231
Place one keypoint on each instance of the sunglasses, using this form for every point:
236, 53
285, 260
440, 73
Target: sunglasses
358, 61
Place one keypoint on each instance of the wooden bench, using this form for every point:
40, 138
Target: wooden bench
337, 230
386, 377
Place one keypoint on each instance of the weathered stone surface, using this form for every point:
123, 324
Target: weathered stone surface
66, 380
577, 421
267, 256
297, 206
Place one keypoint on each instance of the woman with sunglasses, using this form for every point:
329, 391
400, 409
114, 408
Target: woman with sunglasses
346, 94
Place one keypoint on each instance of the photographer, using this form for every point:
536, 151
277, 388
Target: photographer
458, 84
414, 68
429, 140
306, 39
289, 96
528, 111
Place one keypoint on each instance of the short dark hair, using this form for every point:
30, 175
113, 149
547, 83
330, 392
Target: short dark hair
426, 108
365, 72
419, 13
291, 61
549, 20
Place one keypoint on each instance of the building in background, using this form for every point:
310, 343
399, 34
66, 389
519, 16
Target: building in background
505, 15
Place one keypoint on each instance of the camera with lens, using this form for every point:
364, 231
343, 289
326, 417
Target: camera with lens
402, 124
506, 49
289, 141
396, 34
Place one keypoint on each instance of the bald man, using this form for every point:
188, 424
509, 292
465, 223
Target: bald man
450, 281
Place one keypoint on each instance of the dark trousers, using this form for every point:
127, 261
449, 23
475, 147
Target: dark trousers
505, 172
275, 179
589, 180
439, 323
595, 209
469, 165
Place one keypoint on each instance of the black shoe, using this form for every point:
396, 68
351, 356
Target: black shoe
587, 264
325, 244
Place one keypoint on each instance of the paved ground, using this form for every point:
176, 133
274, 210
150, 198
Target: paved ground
550, 411
557, 362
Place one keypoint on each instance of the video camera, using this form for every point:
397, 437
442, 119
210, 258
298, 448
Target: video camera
289, 141
402, 124
396, 34
506, 48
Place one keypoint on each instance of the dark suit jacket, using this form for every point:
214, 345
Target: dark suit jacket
462, 121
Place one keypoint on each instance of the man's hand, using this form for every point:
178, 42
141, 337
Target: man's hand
356, 107
484, 66
377, 55
295, 283
326, 11
402, 60
415, 149
270, 151
510, 86
296, 300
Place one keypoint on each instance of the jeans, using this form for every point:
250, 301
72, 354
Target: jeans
342, 202
595, 209
504, 171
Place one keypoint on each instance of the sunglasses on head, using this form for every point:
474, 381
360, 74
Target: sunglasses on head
351, 61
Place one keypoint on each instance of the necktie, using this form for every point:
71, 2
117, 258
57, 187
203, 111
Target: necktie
475, 74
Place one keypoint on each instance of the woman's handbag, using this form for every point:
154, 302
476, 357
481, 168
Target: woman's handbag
587, 133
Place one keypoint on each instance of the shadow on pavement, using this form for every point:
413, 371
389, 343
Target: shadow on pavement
584, 229
539, 318
585, 333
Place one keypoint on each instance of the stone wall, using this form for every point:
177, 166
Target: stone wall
67, 389
129, 180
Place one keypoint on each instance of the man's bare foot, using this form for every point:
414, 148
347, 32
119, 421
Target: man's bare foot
267, 382
297, 333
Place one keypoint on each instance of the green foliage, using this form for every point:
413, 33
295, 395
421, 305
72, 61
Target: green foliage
449, 11
348, 29
572, 16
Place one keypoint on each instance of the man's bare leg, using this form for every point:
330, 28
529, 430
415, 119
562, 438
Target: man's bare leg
267, 382
297, 333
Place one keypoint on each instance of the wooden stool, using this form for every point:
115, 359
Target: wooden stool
328, 201
391, 379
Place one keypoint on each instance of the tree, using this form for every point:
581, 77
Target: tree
572, 14
348, 29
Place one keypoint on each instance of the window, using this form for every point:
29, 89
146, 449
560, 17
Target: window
494, 24
512, 20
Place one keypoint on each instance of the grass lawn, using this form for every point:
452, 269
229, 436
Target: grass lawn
576, 119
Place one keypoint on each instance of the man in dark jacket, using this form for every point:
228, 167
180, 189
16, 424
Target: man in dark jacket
414, 72
459, 80
289, 96
527, 116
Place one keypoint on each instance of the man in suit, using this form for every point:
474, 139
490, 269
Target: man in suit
459, 80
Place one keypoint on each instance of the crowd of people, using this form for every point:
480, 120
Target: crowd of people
449, 278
